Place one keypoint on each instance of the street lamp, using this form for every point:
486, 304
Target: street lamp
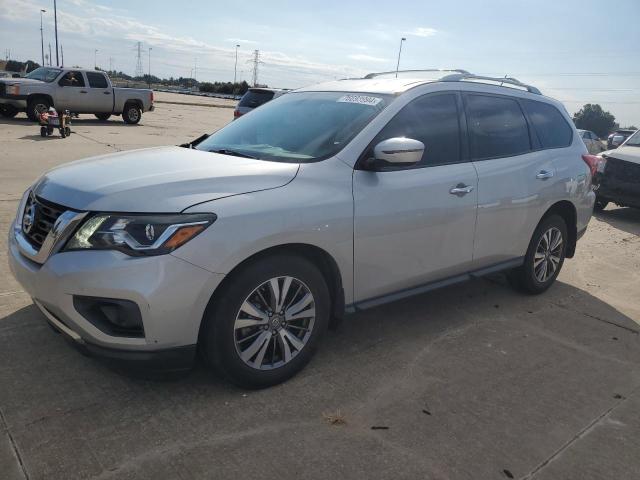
399, 53
150, 66
235, 68
41, 36
95, 59
55, 20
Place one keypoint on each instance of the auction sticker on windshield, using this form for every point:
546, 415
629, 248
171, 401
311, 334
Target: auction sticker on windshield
361, 99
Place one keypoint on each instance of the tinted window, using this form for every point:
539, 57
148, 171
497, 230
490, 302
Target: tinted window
255, 98
432, 119
497, 127
97, 80
552, 129
72, 79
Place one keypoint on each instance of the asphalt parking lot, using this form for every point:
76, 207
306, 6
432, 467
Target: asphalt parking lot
474, 381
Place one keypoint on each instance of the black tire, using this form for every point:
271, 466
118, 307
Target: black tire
8, 111
524, 278
67, 131
131, 114
600, 204
63, 132
43, 131
36, 106
218, 335
103, 116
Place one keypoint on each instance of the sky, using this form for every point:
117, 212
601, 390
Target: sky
578, 51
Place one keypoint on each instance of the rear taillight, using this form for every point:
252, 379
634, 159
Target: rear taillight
595, 163
151, 96
236, 114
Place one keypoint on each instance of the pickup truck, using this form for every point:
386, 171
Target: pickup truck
76, 90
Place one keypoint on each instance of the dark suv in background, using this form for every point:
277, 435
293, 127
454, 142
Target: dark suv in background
616, 139
254, 98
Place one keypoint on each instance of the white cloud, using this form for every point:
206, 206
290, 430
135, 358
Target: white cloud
367, 58
240, 41
422, 32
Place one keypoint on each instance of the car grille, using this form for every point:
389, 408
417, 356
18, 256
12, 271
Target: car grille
622, 171
44, 215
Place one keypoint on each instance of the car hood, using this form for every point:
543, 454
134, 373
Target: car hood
628, 154
155, 180
20, 81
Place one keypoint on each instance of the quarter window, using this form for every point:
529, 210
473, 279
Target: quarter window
497, 127
552, 129
431, 119
97, 80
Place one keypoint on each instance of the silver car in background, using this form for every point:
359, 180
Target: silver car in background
328, 200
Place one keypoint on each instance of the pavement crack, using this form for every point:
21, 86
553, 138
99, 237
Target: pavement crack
106, 144
582, 433
600, 319
14, 445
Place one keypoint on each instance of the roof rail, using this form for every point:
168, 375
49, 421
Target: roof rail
457, 70
461, 77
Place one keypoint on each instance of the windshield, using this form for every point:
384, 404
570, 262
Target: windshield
46, 74
634, 140
298, 127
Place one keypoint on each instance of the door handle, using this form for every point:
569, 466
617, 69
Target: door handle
461, 190
83, 91
544, 174
107, 93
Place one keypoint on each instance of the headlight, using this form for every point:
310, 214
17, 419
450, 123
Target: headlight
138, 234
13, 89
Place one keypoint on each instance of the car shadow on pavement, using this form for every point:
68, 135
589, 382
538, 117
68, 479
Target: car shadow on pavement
474, 376
626, 219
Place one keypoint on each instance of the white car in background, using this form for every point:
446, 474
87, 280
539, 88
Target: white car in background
592, 141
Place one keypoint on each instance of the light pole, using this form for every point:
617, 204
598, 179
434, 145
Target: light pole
150, 67
41, 36
235, 68
399, 53
95, 59
55, 20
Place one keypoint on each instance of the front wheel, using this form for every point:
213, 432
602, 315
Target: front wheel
132, 114
8, 111
266, 323
36, 106
544, 258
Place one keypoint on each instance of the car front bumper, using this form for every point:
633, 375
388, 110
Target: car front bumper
171, 294
15, 101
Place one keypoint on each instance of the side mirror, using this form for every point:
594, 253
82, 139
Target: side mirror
399, 150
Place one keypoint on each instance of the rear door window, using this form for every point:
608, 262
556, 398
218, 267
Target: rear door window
549, 124
255, 98
97, 80
497, 127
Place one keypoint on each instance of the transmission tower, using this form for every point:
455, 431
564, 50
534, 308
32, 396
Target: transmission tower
256, 61
139, 71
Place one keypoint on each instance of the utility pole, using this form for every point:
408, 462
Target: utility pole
61, 56
139, 71
42, 36
150, 67
55, 19
399, 52
50, 58
195, 70
95, 59
235, 68
256, 61
110, 64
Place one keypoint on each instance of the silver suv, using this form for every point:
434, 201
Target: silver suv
330, 199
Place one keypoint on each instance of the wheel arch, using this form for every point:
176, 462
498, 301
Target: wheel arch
134, 101
322, 259
569, 214
46, 96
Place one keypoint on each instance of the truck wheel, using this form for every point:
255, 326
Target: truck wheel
544, 258
267, 322
8, 111
36, 106
131, 114
103, 116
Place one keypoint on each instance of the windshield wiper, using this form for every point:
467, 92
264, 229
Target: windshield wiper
235, 153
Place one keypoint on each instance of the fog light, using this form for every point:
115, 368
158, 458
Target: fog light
115, 317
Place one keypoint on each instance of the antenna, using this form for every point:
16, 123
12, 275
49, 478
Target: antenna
139, 71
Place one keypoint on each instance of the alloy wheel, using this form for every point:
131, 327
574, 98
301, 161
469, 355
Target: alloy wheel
274, 323
546, 260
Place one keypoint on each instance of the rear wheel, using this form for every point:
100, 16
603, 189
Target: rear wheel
267, 321
544, 257
131, 114
8, 111
102, 116
43, 131
36, 106
600, 204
